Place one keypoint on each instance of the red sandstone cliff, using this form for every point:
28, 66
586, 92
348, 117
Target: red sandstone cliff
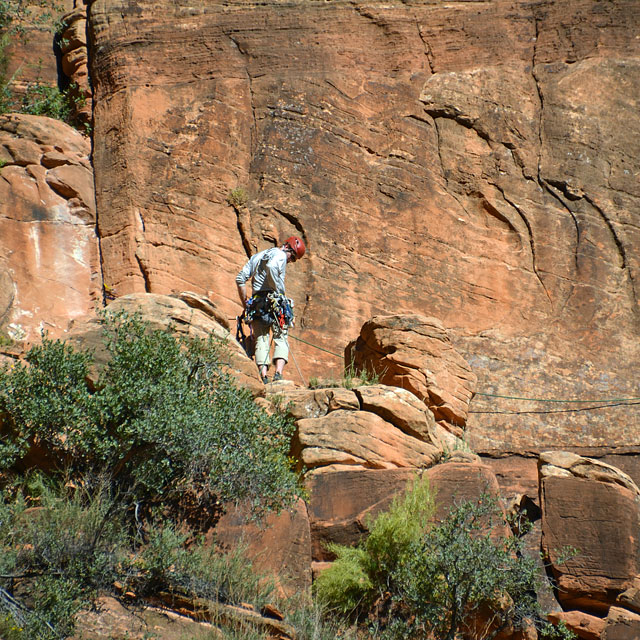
471, 161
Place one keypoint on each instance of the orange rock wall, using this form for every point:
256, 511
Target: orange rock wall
474, 162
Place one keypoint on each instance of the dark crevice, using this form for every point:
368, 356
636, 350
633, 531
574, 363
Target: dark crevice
427, 47
145, 275
618, 242
532, 244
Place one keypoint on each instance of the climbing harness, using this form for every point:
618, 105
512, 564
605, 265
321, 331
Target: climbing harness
270, 308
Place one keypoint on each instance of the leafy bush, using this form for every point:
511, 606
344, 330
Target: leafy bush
238, 197
415, 578
42, 100
359, 576
61, 546
165, 420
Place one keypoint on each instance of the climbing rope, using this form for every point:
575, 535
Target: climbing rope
604, 403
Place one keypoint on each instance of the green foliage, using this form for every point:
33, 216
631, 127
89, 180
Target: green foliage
238, 197
42, 100
360, 575
165, 419
56, 551
61, 546
415, 578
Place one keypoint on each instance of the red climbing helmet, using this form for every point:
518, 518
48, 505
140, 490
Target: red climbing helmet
296, 245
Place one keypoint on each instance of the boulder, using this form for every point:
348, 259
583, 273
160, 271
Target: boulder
415, 353
584, 625
164, 312
600, 521
630, 599
561, 463
50, 269
113, 619
315, 403
621, 625
359, 438
399, 407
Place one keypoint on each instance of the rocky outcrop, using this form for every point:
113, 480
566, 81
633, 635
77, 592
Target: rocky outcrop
415, 353
359, 438
74, 58
590, 523
49, 258
187, 314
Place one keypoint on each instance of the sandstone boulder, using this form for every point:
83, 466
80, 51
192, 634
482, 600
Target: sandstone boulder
315, 403
359, 438
164, 312
567, 464
342, 500
584, 625
597, 518
399, 407
49, 258
621, 625
415, 353
278, 546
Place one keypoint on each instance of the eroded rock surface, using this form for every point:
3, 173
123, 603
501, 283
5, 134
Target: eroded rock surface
473, 162
585, 512
415, 353
49, 258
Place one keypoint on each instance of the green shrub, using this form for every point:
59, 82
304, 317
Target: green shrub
57, 550
237, 197
416, 578
165, 420
42, 100
361, 575
60, 546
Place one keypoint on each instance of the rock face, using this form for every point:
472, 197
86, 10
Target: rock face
596, 512
415, 353
49, 257
472, 162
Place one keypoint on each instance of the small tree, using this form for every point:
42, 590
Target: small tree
362, 575
466, 572
165, 419
416, 578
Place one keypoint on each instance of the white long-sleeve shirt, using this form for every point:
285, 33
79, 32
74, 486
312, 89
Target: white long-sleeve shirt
267, 270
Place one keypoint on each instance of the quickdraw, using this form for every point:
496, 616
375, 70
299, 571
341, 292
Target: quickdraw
270, 308
247, 342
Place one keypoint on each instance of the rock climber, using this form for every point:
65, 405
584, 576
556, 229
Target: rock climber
269, 310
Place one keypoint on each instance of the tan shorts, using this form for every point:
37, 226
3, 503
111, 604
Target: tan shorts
262, 333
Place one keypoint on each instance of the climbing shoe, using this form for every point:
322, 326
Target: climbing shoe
265, 379
277, 376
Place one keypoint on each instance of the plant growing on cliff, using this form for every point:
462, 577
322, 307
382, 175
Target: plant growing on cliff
163, 421
238, 197
437, 579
